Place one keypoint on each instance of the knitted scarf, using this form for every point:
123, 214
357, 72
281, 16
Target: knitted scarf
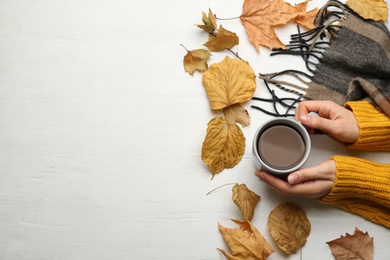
347, 58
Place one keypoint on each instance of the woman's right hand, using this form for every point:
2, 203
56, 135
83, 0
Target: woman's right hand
334, 120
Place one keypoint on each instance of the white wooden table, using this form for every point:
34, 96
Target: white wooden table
101, 133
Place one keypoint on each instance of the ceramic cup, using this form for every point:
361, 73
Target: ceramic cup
281, 146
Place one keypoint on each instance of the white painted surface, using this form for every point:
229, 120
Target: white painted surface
101, 132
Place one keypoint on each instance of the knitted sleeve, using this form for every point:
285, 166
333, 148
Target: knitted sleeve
361, 187
374, 127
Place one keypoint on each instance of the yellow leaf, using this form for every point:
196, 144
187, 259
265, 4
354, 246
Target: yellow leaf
289, 227
209, 22
236, 114
376, 10
196, 60
245, 242
222, 40
245, 199
223, 146
229, 82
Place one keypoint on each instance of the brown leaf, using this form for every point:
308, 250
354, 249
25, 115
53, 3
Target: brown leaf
356, 246
245, 242
196, 60
245, 199
229, 82
223, 146
289, 227
259, 18
222, 40
209, 22
376, 10
236, 114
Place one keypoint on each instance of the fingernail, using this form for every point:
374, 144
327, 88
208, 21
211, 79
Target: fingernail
305, 119
292, 179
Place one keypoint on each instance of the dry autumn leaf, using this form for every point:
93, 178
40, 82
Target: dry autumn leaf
229, 82
236, 114
222, 40
209, 22
259, 18
196, 60
376, 10
356, 246
289, 227
245, 199
223, 146
305, 18
245, 242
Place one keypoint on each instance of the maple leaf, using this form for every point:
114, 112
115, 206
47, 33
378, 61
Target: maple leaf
304, 18
376, 10
289, 227
356, 246
259, 18
223, 146
222, 40
229, 82
245, 242
245, 199
209, 22
196, 60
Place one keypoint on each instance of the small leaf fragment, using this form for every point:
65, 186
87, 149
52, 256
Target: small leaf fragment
245, 242
356, 246
305, 18
196, 60
229, 82
222, 40
376, 10
289, 227
236, 114
245, 199
209, 22
223, 146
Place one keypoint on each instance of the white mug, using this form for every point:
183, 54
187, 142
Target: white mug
281, 146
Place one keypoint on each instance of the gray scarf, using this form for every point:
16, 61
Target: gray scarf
353, 65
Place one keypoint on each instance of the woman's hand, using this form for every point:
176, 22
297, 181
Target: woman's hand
334, 120
314, 182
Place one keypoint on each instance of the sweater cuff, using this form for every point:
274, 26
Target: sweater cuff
361, 187
374, 126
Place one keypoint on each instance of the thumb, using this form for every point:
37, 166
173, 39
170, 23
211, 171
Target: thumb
324, 171
303, 175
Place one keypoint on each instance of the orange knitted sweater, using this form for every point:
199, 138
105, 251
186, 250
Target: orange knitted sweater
363, 187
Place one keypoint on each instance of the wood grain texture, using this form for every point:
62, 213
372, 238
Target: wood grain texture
101, 132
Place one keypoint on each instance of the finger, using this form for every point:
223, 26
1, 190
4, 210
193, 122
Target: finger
303, 176
305, 107
276, 183
315, 122
308, 189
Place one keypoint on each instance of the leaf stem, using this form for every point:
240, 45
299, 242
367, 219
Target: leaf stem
227, 19
183, 47
232, 183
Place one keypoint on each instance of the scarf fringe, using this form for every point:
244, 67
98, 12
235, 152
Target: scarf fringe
310, 45
275, 100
